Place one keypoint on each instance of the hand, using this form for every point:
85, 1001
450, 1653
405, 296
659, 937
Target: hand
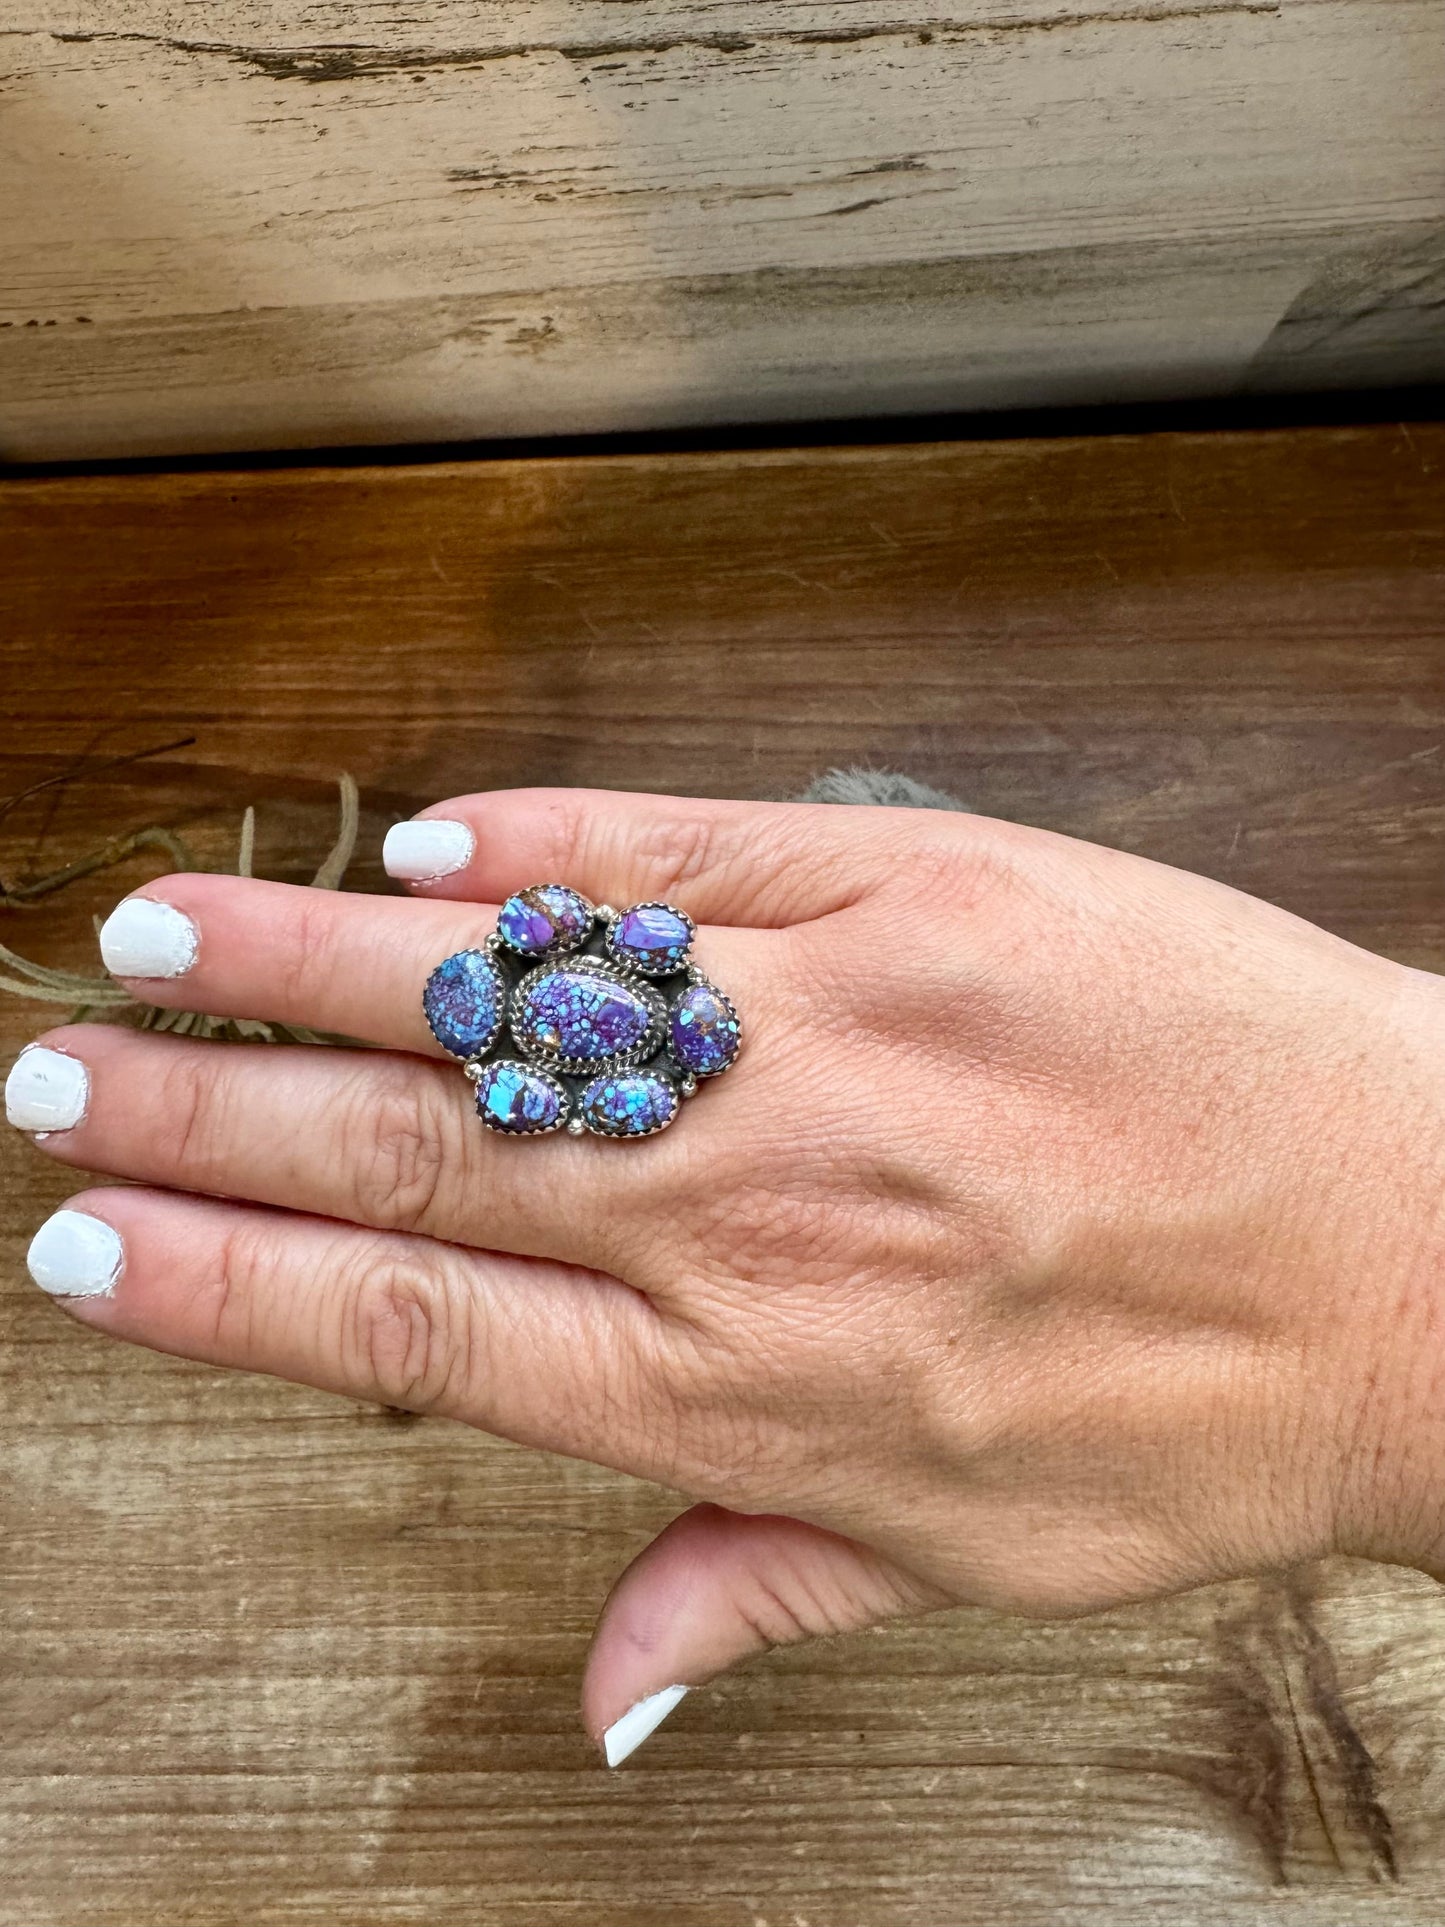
1069, 1230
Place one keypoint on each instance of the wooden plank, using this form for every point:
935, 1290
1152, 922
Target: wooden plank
271, 1657
225, 225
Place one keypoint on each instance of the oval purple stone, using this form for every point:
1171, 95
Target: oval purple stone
579, 1014
519, 1100
628, 1104
547, 916
703, 1030
462, 1002
652, 938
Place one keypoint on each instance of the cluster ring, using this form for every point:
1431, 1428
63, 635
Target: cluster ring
580, 1017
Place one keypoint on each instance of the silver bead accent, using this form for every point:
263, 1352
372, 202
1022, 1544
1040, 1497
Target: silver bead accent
575, 1126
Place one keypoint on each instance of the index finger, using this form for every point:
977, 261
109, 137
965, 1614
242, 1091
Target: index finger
764, 865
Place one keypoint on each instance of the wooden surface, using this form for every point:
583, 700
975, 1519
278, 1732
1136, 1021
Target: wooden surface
269, 1657
247, 224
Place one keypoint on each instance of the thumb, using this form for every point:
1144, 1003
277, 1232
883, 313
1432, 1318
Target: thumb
711, 1589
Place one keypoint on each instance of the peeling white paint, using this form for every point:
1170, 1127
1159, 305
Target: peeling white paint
386, 222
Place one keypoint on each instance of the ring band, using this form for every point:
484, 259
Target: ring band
610, 1022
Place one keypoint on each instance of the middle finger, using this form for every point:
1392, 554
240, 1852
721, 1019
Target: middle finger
329, 960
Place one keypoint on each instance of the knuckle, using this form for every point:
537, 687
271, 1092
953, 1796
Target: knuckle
563, 824
982, 871
684, 851
239, 1262
702, 849
730, 1405
186, 1102
397, 1145
782, 1220
408, 1334
306, 960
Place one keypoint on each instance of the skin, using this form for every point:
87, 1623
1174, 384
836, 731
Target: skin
1070, 1230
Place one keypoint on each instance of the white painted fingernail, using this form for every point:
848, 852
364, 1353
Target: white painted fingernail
628, 1733
144, 938
73, 1255
426, 848
46, 1090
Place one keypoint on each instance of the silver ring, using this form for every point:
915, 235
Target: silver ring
579, 1017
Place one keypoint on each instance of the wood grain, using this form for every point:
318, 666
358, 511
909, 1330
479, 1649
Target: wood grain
236, 224
271, 1657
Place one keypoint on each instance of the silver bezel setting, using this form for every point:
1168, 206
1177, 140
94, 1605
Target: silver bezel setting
632, 1137
696, 981
476, 1071
629, 963
647, 1045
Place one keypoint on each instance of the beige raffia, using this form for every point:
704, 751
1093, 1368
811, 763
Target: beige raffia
95, 996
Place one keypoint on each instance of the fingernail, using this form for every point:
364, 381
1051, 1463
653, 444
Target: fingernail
46, 1090
426, 848
628, 1733
144, 938
73, 1255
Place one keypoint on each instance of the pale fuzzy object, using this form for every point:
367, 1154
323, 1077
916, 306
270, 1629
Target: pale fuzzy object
426, 848
145, 938
73, 1255
877, 786
46, 1090
624, 1736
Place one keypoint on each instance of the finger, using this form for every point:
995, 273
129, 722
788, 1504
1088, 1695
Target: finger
323, 959
327, 960
365, 1136
541, 1353
761, 864
711, 1590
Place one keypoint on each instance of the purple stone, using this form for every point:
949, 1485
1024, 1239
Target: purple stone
628, 1104
519, 1100
652, 938
579, 1014
545, 917
703, 1030
462, 1002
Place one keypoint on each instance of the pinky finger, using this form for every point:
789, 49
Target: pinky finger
518, 1346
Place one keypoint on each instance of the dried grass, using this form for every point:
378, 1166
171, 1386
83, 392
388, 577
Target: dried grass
101, 996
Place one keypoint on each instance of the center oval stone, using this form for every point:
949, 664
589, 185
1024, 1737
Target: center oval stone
582, 1014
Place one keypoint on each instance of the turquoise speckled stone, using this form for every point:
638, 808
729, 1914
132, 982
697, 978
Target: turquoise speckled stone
628, 1104
703, 1030
652, 938
575, 1013
463, 1002
519, 1100
547, 916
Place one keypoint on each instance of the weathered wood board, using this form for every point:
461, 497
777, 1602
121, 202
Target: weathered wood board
242, 224
272, 1659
